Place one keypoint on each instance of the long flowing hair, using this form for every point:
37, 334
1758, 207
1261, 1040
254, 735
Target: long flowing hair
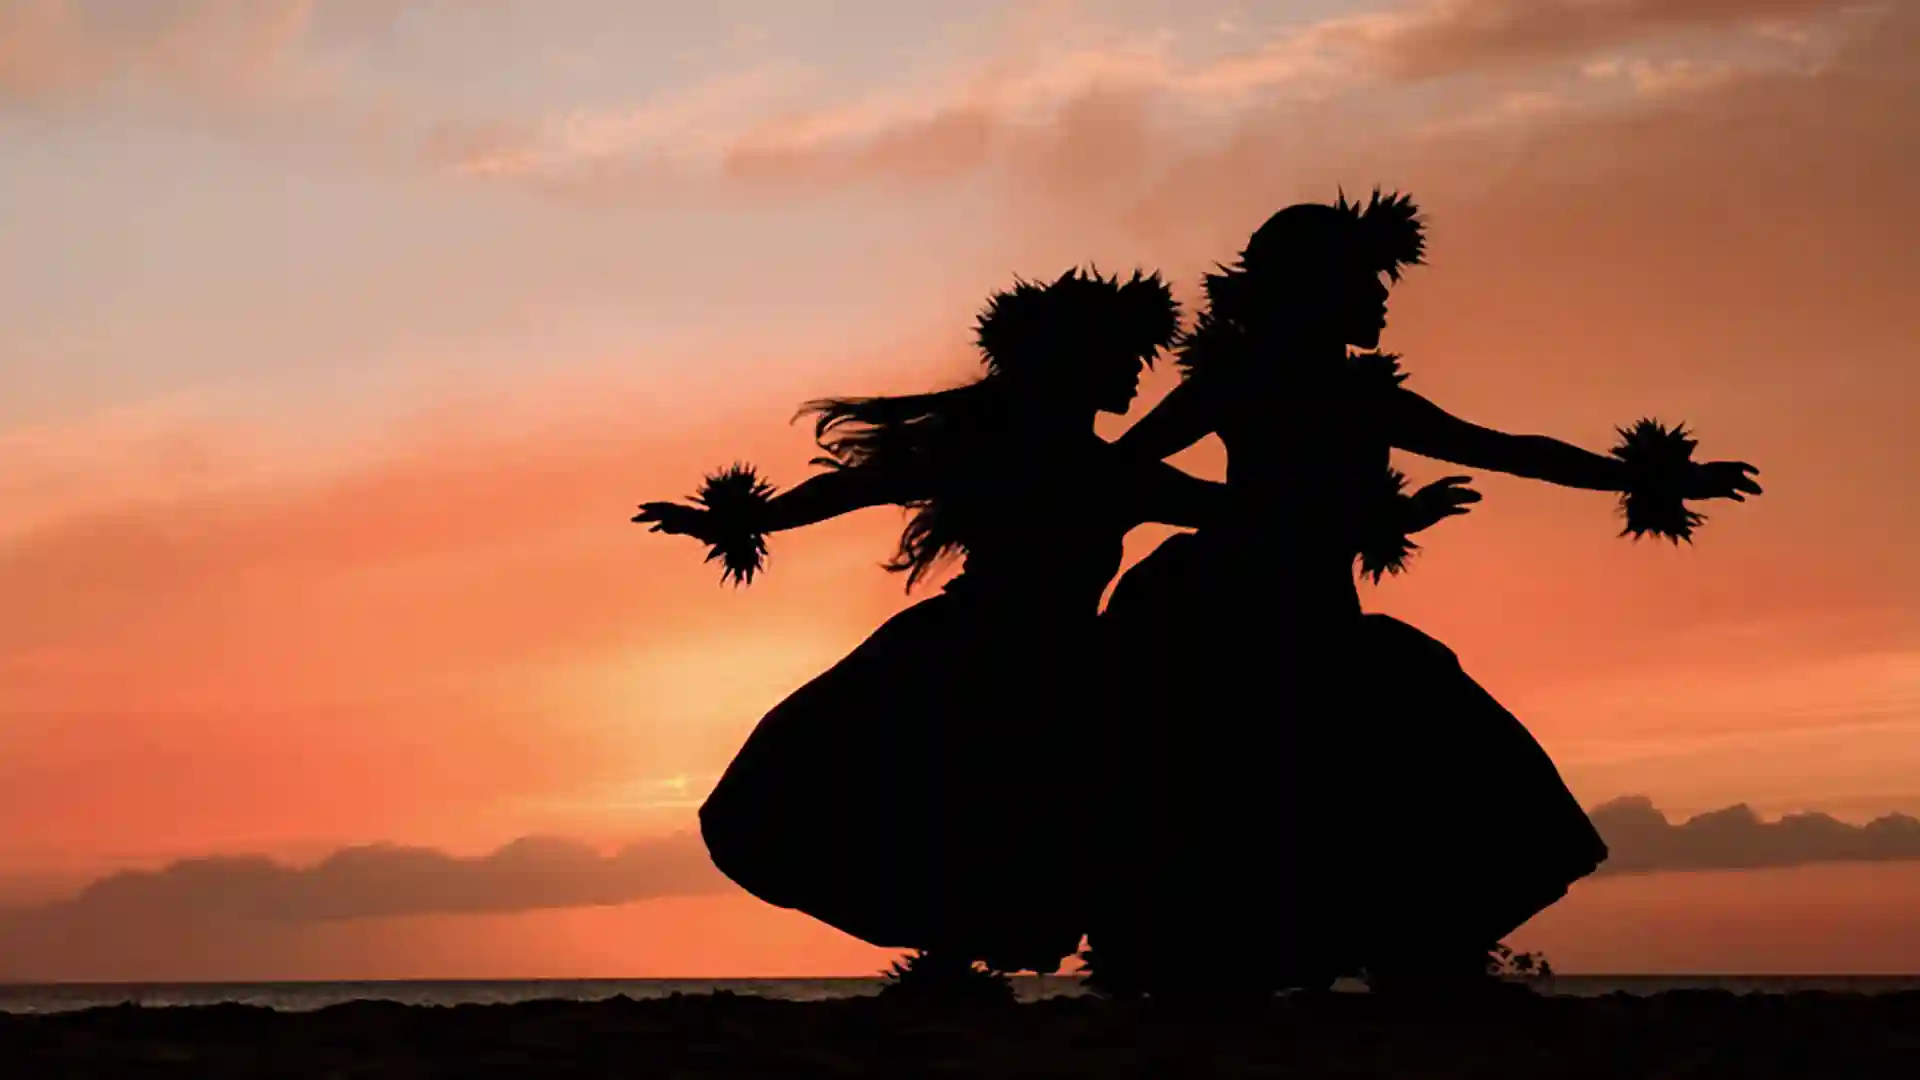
928, 443
934, 444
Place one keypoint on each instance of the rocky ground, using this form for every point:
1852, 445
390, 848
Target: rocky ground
1674, 1035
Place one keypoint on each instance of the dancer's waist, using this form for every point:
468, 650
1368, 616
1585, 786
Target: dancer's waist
1025, 596
1270, 566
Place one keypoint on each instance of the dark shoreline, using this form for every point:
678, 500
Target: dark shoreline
1690, 1033
30, 996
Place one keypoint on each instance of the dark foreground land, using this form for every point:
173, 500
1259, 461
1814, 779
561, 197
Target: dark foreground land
1672, 1035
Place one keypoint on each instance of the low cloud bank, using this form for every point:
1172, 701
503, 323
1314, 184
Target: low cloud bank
1643, 840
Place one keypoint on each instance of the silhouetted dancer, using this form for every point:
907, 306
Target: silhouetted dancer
876, 797
1333, 791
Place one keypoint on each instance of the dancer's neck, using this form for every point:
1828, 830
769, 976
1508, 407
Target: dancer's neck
1295, 359
1306, 344
1323, 351
1054, 421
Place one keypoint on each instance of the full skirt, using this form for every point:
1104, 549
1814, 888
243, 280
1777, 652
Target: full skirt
915, 795
1335, 780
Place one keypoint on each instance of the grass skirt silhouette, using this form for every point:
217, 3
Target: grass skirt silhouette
903, 796
1334, 774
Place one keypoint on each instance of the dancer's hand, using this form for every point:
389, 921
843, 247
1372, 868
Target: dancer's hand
1722, 480
1438, 501
674, 519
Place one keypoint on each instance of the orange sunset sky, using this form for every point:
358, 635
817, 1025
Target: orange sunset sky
338, 339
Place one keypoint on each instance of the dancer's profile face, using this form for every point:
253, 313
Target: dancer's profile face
1363, 311
1343, 301
1329, 298
1104, 380
1114, 381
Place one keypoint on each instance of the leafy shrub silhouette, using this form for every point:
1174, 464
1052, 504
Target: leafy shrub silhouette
945, 978
1502, 962
1505, 963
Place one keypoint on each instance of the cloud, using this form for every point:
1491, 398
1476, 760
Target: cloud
1730, 183
1453, 37
676, 125
230, 906
385, 881
956, 139
536, 873
266, 71
740, 130
1656, 78
1643, 841
1019, 104
54, 50
352, 912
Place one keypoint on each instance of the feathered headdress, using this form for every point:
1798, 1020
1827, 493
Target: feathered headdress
1390, 231
1384, 235
1038, 321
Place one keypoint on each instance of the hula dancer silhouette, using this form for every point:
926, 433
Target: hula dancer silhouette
1375, 808
873, 798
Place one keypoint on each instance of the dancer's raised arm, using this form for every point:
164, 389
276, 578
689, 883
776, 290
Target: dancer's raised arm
1181, 419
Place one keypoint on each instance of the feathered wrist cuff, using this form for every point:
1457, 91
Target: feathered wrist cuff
736, 500
1659, 462
1386, 545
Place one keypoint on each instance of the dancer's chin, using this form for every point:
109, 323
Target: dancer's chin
1369, 340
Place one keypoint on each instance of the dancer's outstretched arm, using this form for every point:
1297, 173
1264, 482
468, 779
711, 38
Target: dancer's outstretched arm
1181, 419
735, 510
830, 494
1172, 497
1421, 427
818, 498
